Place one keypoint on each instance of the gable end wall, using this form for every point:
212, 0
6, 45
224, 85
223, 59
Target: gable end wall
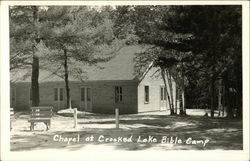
154, 81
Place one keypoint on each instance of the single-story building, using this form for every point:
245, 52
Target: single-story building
116, 84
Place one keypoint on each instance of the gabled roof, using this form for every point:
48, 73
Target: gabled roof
121, 67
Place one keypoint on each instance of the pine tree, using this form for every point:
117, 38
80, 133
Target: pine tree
77, 36
25, 25
201, 42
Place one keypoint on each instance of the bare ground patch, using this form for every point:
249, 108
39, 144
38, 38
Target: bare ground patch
222, 133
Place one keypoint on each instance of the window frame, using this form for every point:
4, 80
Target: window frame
146, 94
82, 94
118, 94
163, 93
61, 94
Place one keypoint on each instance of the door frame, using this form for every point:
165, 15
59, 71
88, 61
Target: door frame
60, 103
163, 108
86, 107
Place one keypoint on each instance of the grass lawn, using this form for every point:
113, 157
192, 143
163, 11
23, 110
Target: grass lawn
144, 131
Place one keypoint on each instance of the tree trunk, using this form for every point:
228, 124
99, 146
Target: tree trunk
223, 100
212, 96
35, 65
66, 79
172, 107
34, 81
165, 84
239, 110
228, 100
220, 97
182, 108
239, 98
174, 96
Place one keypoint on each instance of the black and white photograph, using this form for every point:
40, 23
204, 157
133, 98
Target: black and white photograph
133, 78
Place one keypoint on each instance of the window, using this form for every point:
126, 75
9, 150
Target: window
61, 94
56, 94
82, 94
118, 94
146, 91
163, 93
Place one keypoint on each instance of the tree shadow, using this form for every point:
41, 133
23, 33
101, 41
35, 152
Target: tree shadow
222, 133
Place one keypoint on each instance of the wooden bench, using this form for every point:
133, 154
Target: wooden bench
40, 114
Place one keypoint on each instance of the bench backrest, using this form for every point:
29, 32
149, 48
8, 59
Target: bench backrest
41, 112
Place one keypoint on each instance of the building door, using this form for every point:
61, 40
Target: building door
86, 99
163, 98
58, 98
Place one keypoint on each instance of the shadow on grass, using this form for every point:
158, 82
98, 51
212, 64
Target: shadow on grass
222, 134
